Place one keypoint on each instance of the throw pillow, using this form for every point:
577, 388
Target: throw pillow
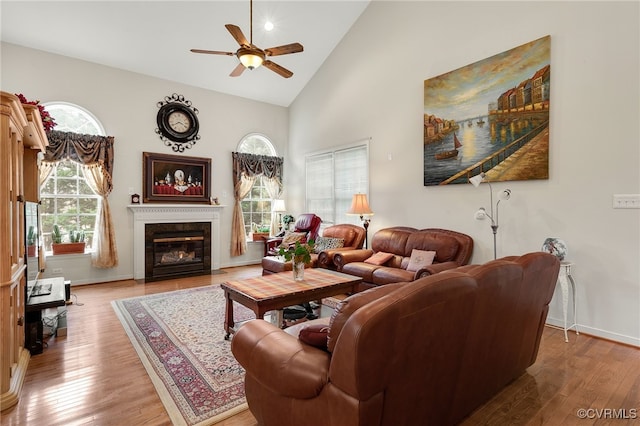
315, 335
291, 237
326, 243
420, 259
379, 258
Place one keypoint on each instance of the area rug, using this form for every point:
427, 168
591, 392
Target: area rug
179, 337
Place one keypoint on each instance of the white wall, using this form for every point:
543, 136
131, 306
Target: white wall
372, 86
125, 103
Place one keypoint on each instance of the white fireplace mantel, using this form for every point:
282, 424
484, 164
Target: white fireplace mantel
170, 213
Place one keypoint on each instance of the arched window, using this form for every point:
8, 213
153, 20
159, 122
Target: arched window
256, 206
67, 200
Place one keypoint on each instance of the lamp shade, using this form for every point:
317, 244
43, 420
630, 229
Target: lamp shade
278, 206
360, 205
477, 179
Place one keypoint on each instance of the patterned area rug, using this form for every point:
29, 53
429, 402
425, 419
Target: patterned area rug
179, 337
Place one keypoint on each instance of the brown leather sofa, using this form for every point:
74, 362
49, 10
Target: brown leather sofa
352, 235
453, 249
427, 352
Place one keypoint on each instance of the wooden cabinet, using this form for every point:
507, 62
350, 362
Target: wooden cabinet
16, 120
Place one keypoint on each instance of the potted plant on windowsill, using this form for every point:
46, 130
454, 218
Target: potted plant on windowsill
259, 232
76, 242
31, 241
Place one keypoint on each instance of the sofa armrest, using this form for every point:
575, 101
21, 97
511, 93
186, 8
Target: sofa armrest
342, 258
325, 258
271, 246
279, 361
435, 268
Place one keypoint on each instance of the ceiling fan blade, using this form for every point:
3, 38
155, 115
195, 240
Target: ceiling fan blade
237, 71
236, 32
277, 69
212, 52
284, 49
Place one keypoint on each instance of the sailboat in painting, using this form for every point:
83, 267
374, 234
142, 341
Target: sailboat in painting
452, 153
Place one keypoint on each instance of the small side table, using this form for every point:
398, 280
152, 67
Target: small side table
564, 278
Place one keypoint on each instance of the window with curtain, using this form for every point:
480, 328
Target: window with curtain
67, 199
76, 180
332, 177
256, 206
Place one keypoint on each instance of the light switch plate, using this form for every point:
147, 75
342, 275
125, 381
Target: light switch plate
626, 201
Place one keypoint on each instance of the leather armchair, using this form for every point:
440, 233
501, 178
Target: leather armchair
352, 235
308, 223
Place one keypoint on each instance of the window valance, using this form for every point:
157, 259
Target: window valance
257, 165
80, 148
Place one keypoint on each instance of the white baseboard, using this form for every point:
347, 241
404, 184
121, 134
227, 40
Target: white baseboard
627, 340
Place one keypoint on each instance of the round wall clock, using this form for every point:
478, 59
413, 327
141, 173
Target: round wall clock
177, 121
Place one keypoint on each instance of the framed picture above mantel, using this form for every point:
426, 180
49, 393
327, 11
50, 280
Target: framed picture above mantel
175, 178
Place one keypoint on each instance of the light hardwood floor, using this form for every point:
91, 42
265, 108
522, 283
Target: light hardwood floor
93, 376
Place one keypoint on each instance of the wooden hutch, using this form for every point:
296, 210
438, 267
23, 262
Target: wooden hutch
22, 137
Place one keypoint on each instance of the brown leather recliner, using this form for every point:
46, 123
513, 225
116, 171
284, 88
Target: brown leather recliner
308, 223
352, 235
427, 352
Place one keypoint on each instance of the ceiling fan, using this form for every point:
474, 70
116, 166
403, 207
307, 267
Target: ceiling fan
252, 56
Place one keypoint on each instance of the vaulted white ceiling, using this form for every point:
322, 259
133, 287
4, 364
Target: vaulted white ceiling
154, 38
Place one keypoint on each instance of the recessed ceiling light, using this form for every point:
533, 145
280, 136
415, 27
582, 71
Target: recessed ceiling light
268, 25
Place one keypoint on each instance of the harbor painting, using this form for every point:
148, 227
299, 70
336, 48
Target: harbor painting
491, 116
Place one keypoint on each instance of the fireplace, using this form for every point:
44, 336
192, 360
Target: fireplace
145, 214
177, 249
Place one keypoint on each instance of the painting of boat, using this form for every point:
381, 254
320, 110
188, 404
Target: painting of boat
452, 153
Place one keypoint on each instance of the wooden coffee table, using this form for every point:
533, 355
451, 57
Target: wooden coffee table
277, 291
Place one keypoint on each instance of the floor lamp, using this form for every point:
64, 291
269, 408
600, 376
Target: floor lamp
360, 207
482, 212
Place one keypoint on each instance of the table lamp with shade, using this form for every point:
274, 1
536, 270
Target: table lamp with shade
360, 207
278, 208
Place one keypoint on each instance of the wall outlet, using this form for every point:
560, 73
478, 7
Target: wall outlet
57, 270
626, 201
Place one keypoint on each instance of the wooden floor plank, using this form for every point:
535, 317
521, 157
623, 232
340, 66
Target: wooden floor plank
93, 376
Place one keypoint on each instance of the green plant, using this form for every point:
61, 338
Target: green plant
260, 228
56, 236
301, 252
76, 236
31, 236
287, 219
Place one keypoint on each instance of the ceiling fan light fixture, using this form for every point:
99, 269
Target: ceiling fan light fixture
251, 58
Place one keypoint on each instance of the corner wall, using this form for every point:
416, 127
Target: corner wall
372, 86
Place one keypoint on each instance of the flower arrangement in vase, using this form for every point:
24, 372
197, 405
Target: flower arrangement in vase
287, 219
300, 254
